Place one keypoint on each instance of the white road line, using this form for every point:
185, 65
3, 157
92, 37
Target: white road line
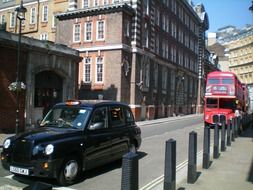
158, 180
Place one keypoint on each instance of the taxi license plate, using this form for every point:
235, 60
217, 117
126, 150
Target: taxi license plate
17, 170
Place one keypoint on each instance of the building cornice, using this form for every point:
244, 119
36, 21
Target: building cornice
103, 9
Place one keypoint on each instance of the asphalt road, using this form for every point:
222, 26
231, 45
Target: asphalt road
151, 153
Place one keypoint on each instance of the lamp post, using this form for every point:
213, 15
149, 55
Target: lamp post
21, 10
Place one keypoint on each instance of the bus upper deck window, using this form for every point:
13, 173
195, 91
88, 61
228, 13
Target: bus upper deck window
213, 81
227, 81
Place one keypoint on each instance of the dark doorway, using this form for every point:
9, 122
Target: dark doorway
48, 90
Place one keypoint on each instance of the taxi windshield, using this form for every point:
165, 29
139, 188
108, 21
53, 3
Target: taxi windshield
69, 117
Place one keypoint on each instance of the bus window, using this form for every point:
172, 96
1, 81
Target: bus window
227, 103
227, 81
213, 81
212, 103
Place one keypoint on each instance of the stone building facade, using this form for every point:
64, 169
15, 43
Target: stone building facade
39, 23
49, 72
240, 51
146, 53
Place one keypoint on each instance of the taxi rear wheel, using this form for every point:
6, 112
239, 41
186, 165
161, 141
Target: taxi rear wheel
70, 171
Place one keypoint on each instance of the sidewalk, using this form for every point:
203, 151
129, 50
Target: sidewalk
233, 170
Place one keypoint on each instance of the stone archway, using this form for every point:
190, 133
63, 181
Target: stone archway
48, 90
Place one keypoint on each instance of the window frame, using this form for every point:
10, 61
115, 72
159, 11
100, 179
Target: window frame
99, 73
74, 33
85, 71
45, 11
98, 38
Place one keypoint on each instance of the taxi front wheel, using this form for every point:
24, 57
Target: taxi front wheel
70, 171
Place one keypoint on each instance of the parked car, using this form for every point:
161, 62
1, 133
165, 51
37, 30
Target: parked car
74, 136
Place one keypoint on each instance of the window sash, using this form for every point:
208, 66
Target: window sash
33, 15
88, 31
76, 33
99, 69
87, 70
45, 13
100, 30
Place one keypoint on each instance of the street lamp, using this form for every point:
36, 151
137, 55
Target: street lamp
21, 10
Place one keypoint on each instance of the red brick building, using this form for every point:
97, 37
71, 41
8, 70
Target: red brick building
146, 53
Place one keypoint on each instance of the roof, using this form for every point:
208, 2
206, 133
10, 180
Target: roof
92, 103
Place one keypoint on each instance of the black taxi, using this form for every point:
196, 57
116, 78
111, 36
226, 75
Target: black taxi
74, 136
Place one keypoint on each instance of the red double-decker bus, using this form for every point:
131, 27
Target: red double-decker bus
224, 97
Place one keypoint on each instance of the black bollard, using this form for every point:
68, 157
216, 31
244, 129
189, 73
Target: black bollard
236, 127
130, 170
216, 142
233, 130
206, 148
223, 137
192, 158
229, 132
170, 165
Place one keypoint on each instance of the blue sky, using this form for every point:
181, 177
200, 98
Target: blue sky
227, 12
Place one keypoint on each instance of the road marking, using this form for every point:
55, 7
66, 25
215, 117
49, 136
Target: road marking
159, 180
8, 187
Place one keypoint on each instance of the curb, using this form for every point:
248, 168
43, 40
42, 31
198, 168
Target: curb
165, 120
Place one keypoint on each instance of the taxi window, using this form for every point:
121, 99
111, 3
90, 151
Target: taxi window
117, 116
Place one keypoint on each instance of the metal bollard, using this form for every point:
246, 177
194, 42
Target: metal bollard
229, 132
236, 127
206, 148
216, 142
130, 170
233, 130
170, 165
192, 158
223, 137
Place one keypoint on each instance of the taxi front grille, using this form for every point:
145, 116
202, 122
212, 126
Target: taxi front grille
22, 151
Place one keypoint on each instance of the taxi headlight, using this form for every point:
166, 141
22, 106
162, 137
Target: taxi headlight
7, 143
49, 149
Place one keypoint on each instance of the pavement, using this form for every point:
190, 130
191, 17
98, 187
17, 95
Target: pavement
233, 169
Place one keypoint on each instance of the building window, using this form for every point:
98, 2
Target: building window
87, 70
33, 15
127, 26
164, 78
96, 2
146, 7
44, 36
12, 20
45, 13
155, 75
76, 31
3, 20
100, 30
106, 2
116, 1
146, 36
157, 16
85, 3
145, 71
88, 31
157, 44
99, 69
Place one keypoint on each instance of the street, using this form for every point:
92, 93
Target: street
151, 153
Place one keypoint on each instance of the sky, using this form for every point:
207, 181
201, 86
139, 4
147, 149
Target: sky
227, 12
